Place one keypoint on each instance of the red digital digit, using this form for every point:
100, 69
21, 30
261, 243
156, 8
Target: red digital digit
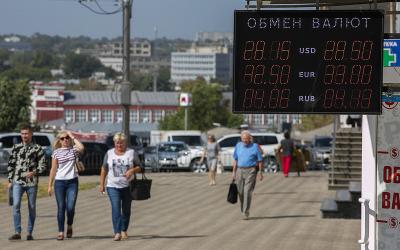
366, 98
355, 98
275, 48
328, 100
248, 50
248, 73
274, 74
339, 74
248, 98
367, 49
273, 98
366, 76
259, 76
355, 74
329, 72
340, 50
329, 50
285, 50
259, 98
259, 53
285, 74
356, 50
284, 103
339, 98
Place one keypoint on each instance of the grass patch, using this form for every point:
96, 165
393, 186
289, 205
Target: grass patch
42, 191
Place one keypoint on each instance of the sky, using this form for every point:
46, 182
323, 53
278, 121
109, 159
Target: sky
173, 18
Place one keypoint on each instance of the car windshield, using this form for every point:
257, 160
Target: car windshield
323, 142
191, 140
171, 147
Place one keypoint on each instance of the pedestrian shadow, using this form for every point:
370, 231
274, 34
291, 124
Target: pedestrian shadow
132, 237
279, 217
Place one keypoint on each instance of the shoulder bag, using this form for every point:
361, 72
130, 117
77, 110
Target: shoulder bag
140, 188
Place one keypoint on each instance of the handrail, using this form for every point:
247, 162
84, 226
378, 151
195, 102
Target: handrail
365, 238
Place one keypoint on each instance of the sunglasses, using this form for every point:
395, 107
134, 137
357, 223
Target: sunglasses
64, 138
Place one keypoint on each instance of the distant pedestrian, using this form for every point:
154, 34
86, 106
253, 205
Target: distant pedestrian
119, 165
286, 150
247, 162
211, 153
66, 152
26, 162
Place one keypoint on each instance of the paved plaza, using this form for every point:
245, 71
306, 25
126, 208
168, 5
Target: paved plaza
185, 213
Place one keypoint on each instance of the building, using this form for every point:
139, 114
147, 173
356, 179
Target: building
214, 37
47, 101
207, 62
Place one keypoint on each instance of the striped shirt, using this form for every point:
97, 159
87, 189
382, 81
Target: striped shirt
66, 163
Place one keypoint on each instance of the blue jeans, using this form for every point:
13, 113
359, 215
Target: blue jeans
120, 200
17, 192
66, 192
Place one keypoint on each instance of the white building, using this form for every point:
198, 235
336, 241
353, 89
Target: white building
207, 62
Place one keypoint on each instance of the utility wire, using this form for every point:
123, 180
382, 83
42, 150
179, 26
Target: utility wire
102, 11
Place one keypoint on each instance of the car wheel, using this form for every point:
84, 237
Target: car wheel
197, 167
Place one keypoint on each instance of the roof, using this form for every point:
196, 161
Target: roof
93, 97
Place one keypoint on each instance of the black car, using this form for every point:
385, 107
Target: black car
135, 144
93, 156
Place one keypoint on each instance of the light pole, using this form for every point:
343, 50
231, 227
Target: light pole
126, 85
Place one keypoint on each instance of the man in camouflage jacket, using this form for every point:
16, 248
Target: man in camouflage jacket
26, 162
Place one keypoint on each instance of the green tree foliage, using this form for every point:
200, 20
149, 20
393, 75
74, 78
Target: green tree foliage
81, 66
15, 100
207, 108
310, 122
144, 81
43, 58
27, 72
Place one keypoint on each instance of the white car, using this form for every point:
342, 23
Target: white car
268, 142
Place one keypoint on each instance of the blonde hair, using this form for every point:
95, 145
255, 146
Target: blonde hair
119, 136
57, 142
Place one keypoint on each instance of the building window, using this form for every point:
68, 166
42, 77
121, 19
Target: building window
106, 116
94, 115
257, 119
145, 116
133, 116
80, 115
69, 116
119, 115
157, 115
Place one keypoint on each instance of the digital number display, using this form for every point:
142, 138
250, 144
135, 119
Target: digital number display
308, 62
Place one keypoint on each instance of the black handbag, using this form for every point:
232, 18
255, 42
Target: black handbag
140, 188
232, 193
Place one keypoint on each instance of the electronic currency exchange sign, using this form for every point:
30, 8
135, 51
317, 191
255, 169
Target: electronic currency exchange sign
308, 62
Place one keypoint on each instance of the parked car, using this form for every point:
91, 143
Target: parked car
173, 156
45, 140
150, 158
93, 156
321, 148
268, 142
4, 155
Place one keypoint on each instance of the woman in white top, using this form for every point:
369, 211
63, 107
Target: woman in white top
65, 151
119, 164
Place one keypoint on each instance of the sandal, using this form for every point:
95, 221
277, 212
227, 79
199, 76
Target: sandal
69, 232
117, 237
60, 237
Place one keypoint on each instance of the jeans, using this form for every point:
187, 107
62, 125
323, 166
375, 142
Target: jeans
66, 192
31, 192
120, 200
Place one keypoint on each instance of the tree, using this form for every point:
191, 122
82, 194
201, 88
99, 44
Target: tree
207, 108
81, 66
310, 122
15, 100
